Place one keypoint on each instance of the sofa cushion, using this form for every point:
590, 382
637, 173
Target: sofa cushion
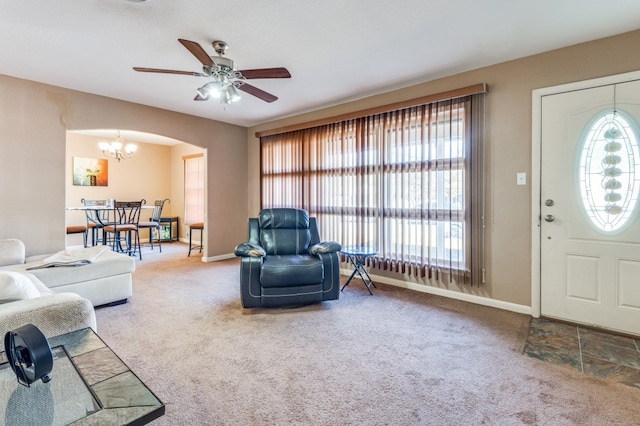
283, 218
284, 231
16, 286
291, 270
39, 285
12, 252
285, 241
108, 264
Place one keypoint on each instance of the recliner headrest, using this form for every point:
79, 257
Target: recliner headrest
283, 218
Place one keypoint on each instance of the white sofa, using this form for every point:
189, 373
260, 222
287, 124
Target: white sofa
107, 280
25, 300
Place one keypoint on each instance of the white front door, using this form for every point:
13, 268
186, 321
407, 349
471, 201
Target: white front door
590, 226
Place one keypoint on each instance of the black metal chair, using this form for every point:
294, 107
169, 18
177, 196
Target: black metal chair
154, 222
126, 218
96, 219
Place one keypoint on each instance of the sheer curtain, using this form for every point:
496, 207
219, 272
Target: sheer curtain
193, 189
406, 182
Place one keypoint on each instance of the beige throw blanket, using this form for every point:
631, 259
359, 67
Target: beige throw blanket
74, 257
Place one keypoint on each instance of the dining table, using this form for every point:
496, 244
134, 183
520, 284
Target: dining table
99, 220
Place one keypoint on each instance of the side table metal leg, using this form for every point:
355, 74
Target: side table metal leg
367, 284
358, 268
368, 277
355, 269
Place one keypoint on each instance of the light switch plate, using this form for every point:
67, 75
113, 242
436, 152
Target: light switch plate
521, 178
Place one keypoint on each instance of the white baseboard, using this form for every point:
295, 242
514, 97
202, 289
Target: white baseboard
479, 300
219, 257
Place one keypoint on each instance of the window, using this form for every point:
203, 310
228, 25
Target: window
399, 181
194, 188
609, 172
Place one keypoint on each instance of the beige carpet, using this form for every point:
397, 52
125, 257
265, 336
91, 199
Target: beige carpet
395, 358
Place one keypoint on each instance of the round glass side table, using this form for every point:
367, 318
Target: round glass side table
357, 256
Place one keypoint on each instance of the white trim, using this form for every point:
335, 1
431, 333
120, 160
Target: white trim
478, 300
219, 257
536, 134
536, 145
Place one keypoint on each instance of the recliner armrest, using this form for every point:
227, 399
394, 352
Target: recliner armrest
249, 250
325, 247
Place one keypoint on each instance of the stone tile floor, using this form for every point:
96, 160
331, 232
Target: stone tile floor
593, 352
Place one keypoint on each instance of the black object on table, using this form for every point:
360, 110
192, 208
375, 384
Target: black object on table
357, 256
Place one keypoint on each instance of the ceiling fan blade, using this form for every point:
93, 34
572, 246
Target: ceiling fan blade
258, 93
200, 98
266, 73
197, 51
195, 74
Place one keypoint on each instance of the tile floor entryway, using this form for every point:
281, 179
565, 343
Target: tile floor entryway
593, 352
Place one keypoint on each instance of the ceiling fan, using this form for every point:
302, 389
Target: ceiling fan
225, 78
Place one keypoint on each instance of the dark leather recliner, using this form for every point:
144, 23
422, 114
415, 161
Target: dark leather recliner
284, 263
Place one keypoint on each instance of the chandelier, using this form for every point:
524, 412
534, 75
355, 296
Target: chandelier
114, 149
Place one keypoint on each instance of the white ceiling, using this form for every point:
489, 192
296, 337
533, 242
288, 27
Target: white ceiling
336, 50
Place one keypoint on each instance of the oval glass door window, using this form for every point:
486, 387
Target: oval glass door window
609, 172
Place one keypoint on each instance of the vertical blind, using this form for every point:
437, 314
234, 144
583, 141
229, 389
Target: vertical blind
406, 182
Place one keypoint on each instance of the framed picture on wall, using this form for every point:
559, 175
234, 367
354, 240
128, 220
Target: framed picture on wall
90, 171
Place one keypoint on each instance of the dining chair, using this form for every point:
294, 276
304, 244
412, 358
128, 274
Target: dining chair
97, 219
154, 222
78, 229
126, 217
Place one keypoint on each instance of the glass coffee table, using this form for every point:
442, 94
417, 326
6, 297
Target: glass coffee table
90, 385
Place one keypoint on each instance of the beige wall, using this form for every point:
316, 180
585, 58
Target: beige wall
508, 135
145, 175
34, 119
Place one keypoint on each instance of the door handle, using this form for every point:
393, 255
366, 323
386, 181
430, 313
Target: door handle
549, 218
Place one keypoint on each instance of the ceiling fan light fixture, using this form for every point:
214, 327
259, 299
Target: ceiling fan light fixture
219, 89
225, 64
225, 77
212, 89
233, 93
229, 94
225, 97
203, 92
